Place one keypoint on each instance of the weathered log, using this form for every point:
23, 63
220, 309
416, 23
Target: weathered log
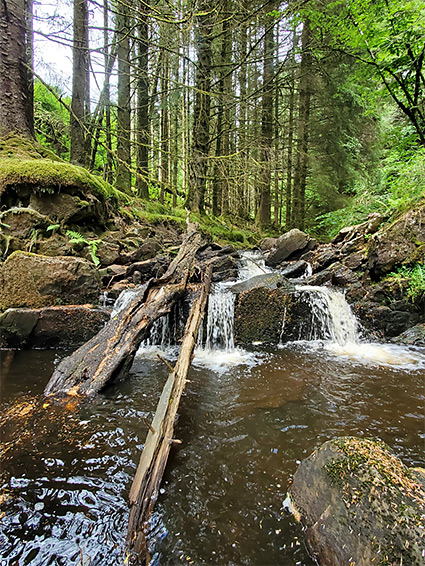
145, 487
111, 352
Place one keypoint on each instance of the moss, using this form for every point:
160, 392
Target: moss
46, 175
17, 147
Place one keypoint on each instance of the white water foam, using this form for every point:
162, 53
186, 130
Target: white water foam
334, 328
381, 354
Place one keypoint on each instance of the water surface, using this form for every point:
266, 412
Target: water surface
66, 475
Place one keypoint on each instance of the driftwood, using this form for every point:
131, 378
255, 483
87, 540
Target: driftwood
145, 487
111, 352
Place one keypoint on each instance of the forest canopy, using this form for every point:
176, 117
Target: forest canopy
306, 114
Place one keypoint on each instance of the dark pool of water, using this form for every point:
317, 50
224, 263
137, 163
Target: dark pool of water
65, 475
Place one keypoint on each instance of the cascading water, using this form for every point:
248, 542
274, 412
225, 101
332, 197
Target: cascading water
220, 315
334, 327
331, 316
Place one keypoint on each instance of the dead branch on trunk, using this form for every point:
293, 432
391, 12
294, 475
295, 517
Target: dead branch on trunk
145, 487
111, 352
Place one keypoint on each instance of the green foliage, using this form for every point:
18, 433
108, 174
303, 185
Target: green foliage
399, 186
386, 38
51, 120
405, 180
52, 227
77, 238
415, 276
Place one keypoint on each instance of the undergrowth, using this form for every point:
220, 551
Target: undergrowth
415, 276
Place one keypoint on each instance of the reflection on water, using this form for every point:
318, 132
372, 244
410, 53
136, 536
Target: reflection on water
242, 430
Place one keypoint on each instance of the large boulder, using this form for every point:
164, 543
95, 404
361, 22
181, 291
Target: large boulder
360, 505
50, 327
34, 281
401, 243
259, 315
287, 245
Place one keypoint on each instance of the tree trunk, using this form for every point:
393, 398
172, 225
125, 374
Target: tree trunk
16, 102
111, 352
242, 208
288, 193
198, 163
80, 85
264, 209
123, 173
301, 169
108, 169
142, 111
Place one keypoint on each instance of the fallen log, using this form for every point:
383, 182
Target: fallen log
145, 487
111, 352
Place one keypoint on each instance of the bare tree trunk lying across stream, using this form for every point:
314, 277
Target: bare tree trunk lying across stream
153, 459
112, 350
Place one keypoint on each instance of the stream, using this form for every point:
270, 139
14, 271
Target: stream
246, 420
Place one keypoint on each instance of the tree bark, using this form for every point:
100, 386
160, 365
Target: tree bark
142, 110
123, 172
145, 487
264, 210
198, 163
16, 101
80, 107
111, 352
301, 169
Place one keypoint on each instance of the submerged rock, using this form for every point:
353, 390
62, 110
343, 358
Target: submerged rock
360, 505
34, 281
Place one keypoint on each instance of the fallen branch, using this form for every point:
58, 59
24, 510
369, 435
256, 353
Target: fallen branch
145, 487
111, 352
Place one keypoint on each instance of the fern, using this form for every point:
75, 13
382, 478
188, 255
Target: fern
76, 237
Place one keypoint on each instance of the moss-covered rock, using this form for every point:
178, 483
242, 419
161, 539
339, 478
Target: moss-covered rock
30, 280
29, 174
259, 315
360, 505
401, 243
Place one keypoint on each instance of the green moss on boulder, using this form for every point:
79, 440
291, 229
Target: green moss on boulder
360, 505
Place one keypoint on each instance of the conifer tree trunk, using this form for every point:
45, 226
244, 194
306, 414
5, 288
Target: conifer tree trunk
264, 209
142, 111
80, 105
243, 117
16, 101
198, 163
164, 125
301, 169
108, 172
123, 175
290, 139
220, 196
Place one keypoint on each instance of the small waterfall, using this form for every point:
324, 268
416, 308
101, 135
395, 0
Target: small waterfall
331, 316
251, 264
162, 333
124, 298
221, 305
